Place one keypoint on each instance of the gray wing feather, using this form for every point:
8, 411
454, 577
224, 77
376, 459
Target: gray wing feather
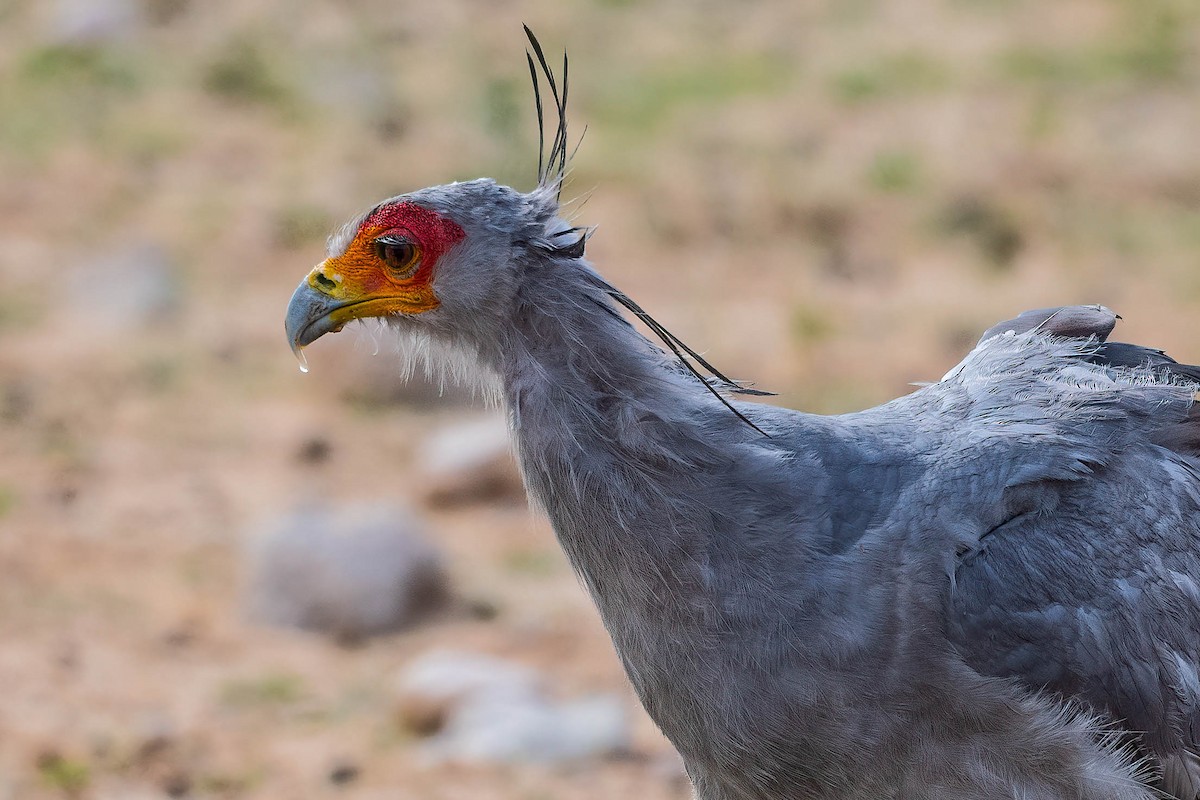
1181, 774
1089, 584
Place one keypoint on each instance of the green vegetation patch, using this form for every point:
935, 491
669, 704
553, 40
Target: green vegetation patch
242, 73
8, 500
812, 324
531, 562
894, 171
1149, 45
79, 66
275, 689
63, 773
641, 101
893, 75
64, 90
301, 224
991, 228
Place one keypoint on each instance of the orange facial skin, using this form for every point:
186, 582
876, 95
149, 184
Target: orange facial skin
363, 284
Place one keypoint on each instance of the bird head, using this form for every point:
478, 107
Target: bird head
445, 258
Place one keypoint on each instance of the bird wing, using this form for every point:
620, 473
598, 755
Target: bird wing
1086, 581
1087, 322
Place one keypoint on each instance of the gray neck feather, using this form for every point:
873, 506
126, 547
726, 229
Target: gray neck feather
602, 424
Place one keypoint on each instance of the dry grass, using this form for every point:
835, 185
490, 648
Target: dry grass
832, 198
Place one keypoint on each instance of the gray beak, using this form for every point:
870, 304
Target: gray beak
309, 317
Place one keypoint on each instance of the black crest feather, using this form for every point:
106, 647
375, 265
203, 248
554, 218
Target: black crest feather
682, 352
552, 167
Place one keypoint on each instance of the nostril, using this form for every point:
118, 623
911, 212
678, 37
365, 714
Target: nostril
325, 283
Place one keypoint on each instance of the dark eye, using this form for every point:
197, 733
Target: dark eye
400, 255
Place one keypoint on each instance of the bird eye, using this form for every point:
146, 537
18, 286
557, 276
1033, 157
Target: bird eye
400, 255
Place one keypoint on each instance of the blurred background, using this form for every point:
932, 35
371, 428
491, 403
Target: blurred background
220, 578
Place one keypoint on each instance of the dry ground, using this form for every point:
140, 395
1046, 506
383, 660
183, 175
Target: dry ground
831, 197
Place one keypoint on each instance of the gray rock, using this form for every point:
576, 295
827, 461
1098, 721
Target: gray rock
470, 461
484, 710
532, 730
437, 683
349, 572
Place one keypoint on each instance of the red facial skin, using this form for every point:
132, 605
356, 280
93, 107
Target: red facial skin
366, 285
432, 234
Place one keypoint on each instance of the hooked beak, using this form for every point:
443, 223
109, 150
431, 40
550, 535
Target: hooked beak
313, 312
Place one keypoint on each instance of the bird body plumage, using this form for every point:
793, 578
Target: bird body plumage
796, 610
968, 592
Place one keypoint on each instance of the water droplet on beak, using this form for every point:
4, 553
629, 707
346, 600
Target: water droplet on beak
298, 351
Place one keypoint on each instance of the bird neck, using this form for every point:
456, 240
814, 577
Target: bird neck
621, 449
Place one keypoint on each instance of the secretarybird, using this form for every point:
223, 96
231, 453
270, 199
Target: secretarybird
988, 588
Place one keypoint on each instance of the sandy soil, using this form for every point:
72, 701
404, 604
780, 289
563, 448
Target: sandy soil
831, 198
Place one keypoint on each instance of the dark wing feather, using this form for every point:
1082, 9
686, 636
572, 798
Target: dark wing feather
1079, 322
1084, 322
1165, 368
1181, 435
